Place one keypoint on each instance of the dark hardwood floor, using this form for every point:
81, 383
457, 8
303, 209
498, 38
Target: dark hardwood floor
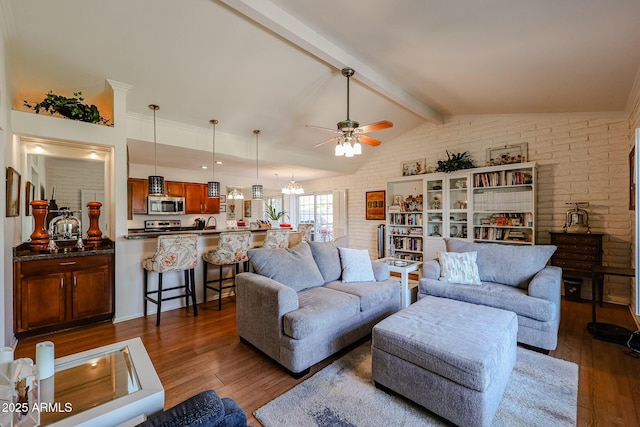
194, 354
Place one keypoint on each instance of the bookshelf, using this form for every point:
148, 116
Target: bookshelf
492, 204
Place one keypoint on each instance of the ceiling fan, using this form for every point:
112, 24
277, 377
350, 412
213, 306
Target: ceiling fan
350, 134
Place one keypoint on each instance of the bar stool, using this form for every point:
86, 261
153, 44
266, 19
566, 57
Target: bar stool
174, 253
305, 229
276, 239
231, 251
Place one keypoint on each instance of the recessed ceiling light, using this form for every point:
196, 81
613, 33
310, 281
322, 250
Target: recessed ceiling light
218, 162
38, 149
93, 155
203, 167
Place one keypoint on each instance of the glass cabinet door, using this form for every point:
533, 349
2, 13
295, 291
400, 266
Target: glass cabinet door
458, 188
434, 208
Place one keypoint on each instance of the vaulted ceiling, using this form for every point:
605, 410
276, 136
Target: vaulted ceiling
275, 65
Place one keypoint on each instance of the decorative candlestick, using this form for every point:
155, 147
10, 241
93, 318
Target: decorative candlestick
94, 235
40, 236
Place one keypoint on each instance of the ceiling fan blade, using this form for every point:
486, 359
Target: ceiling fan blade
321, 128
369, 141
384, 124
328, 140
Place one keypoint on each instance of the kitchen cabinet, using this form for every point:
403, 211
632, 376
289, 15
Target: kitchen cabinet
57, 293
138, 189
197, 200
174, 188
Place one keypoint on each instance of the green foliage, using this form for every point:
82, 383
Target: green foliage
272, 213
455, 162
71, 108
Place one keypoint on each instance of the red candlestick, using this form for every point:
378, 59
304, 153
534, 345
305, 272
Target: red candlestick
39, 237
94, 235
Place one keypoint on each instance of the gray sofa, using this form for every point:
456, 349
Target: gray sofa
296, 308
514, 278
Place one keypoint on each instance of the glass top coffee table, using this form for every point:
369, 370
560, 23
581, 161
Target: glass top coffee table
105, 386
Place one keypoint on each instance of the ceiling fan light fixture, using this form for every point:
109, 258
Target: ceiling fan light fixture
357, 147
156, 182
339, 149
348, 150
213, 186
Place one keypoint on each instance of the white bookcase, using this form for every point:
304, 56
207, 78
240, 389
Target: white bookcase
490, 204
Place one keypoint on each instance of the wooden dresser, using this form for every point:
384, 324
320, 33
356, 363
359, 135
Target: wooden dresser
577, 253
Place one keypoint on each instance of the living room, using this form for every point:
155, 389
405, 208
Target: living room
581, 156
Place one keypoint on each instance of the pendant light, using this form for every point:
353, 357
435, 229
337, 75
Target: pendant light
256, 190
292, 187
156, 182
213, 186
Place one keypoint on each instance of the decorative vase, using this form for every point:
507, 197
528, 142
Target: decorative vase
39, 237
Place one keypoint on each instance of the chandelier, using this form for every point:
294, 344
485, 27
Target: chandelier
235, 194
293, 187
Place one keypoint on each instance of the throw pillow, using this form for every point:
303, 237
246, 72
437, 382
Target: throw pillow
513, 265
293, 267
327, 258
459, 267
356, 265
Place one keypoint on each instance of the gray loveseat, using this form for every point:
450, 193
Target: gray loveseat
514, 278
296, 309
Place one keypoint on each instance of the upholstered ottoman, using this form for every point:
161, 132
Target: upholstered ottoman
452, 357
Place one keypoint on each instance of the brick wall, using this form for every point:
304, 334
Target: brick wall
580, 158
70, 177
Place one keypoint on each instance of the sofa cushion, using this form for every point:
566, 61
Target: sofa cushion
327, 258
356, 265
459, 267
371, 294
513, 265
494, 295
293, 267
319, 308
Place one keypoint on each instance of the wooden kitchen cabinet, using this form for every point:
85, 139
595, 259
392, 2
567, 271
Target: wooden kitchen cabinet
53, 294
197, 200
138, 189
174, 188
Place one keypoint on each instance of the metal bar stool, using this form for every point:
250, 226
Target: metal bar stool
174, 253
276, 239
231, 251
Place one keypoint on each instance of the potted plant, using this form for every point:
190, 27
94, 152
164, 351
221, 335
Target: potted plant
455, 162
72, 108
274, 215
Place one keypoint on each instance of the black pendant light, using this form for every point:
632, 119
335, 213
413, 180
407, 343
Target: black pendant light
256, 190
213, 186
156, 182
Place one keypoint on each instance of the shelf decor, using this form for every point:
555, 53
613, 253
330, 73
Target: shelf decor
414, 167
455, 162
375, 206
507, 155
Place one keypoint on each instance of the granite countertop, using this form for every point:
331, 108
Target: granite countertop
139, 233
23, 252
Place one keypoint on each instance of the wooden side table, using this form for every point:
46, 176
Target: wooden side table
577, 254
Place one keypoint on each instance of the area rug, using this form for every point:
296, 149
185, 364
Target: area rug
542, 391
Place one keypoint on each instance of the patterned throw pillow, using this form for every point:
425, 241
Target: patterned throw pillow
459, 267
356, 265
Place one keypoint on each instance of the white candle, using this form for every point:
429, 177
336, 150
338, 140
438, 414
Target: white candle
6, 357
45, 359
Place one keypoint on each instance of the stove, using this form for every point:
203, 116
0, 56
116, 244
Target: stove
162, 225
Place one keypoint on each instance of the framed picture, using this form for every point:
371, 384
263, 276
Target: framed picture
414, 167
507, 154
632, 179
223, 199
13, 192
223, 208
375, 206
30, 194
247, 208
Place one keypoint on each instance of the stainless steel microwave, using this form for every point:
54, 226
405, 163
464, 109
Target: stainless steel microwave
164, 205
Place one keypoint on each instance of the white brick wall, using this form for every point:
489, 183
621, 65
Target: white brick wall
70, 177
579, 159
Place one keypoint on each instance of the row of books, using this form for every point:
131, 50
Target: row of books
407, 243
502, 178
505, 234
507, 201
406, 219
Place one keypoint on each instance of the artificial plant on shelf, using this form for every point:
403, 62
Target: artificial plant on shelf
72, 108
455, 162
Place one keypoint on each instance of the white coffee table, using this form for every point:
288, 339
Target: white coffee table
404, 267
104, 386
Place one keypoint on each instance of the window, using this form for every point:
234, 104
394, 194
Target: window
276, 202
317, 209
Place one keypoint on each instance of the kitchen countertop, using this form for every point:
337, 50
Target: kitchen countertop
23, 252
139, 233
